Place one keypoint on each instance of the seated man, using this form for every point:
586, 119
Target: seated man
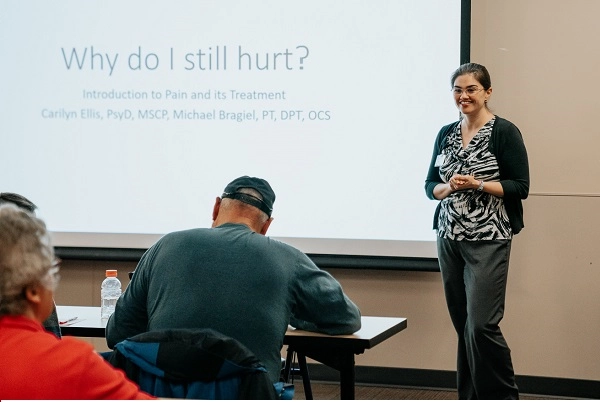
34, 363
51, 323
233, 279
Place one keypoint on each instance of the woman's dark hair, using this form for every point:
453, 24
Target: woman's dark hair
479, 72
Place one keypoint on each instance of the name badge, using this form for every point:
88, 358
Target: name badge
439, 161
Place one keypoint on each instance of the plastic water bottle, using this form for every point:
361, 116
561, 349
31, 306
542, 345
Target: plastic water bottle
110, 292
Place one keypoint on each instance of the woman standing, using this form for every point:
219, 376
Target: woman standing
480, 173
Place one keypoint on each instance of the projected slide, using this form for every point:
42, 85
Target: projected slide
124, 120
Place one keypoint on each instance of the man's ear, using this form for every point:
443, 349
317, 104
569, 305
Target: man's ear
265, 227
216, 208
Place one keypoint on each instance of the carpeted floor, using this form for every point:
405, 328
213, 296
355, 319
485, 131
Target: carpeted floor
329, 391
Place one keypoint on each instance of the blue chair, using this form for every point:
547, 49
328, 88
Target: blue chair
195, 364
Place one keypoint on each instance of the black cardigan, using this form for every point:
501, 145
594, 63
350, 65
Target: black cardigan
506, 143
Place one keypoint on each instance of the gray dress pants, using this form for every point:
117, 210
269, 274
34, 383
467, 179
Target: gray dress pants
474, 274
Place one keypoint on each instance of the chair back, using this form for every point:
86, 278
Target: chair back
193, 364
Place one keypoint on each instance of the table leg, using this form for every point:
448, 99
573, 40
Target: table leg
305, 376
347, 376
340, 359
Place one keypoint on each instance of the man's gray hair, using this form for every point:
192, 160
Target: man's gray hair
26, 255
252, 209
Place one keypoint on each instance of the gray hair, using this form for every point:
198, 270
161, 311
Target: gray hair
26, 256
248, 209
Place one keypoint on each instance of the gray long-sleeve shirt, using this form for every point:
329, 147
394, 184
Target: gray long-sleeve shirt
240, 283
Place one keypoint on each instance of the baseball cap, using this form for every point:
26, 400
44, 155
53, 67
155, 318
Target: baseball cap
260, 185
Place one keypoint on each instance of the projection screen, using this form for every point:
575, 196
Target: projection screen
124, 121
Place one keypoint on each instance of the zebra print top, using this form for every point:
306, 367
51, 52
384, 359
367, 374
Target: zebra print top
472, 215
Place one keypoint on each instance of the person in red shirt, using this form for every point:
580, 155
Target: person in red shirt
35, 364
51, 323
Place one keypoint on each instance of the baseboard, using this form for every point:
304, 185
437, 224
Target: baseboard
548, 386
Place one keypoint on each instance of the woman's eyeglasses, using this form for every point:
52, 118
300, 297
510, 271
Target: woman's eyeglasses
469, 91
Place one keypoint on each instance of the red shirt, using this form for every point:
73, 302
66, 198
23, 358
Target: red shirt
34, 364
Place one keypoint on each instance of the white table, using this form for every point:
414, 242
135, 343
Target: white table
336, 351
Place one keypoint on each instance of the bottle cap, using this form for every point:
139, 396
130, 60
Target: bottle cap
111, 273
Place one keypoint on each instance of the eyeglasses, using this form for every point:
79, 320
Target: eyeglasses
52, 277
469, 91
